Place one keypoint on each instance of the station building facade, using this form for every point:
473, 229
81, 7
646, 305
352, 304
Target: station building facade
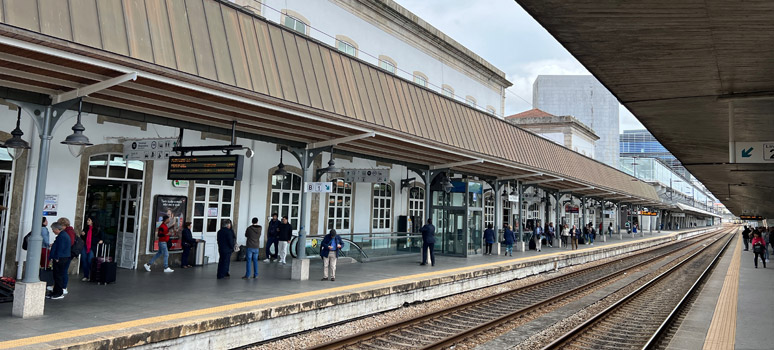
269, 87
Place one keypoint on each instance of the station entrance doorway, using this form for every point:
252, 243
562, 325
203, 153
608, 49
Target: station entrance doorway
113, 200
458, 218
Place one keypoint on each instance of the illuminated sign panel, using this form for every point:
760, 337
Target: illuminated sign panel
649, 213
750, 217
226, 167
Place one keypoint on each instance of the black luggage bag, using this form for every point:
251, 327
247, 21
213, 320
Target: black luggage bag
532, 245
103, 269
46, 273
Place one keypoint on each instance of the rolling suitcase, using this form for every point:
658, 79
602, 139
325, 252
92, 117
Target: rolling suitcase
532, 245
103, 269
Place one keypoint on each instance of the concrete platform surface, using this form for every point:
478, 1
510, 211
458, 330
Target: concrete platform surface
143, 308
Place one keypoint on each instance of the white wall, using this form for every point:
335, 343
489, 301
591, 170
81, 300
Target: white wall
334, 20
582, 145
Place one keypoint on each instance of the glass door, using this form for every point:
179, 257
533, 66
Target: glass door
128, 222
450, 235
475, 231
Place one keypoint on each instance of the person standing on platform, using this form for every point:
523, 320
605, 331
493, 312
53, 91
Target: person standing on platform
428, 242
585, 233
225, 248
329, 252
634, 229
188, 242
765, 235
565, 234
592, 233
272, 234
489, 239
610, 230
92, 236
537, 235
65, 222
60, 254
284, 236
758, 246
550, 233
253, 234
508, 238
163, 236
574, 237
746, 237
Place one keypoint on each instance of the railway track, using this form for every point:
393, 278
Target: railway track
444, 328
644, 316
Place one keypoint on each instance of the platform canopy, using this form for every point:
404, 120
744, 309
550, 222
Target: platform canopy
204, 64
678, 65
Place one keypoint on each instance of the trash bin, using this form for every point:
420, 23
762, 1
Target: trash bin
198, 254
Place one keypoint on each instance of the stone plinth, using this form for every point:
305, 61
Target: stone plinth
300, 270
29, 299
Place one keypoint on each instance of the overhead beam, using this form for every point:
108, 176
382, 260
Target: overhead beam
516, 177
336, 141
543, 181
89, 89
577, 189
747, 96
451, 165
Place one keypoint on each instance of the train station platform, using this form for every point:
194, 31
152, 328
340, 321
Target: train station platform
156, 309
734, 309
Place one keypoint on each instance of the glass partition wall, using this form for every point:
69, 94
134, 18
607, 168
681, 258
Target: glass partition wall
459, 219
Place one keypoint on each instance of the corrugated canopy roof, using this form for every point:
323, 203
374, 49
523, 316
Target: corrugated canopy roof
208, 62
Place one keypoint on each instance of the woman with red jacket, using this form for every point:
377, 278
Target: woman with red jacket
92, 236
758, 246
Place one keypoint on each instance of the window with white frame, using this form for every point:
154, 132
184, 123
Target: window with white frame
489, 209
346, 47
340, 205
420, 79
388, 65
417, 203
295, 24
286, 197
471, 101
213, 202
382, 207
448, 91
490, 110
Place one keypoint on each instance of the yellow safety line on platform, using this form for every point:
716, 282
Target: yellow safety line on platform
722, 331
230, 307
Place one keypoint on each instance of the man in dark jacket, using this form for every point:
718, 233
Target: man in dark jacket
284, 236
428, 242
272, 233
329, 251
746, 238
188, 242
60, 254
225, 248
253, 243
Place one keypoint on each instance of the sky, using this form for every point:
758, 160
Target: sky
504, 34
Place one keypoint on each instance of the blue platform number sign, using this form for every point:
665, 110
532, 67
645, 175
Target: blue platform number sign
768, 152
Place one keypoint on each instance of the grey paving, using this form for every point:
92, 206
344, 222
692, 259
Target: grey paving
693, 330
139, 294
755, 310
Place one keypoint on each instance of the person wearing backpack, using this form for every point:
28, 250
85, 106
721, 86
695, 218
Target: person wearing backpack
508, 238
91, 236
758, 246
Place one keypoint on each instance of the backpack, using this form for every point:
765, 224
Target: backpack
77, 247
26, 240
758, 248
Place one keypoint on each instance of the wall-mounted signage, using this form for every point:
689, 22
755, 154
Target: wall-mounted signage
754, 152
571, 209
50, 204
148, 149
649, 213
750, 217
367, 175
318, 187
175, 207
513, 198
677, 215
180, 183
226, 167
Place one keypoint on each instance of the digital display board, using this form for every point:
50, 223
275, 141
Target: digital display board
226, 167
649, 213
750, 217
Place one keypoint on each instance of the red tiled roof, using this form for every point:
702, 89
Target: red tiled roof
532, 113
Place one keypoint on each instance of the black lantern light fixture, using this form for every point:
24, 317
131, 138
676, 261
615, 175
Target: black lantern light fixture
446, 184
281, 172
77, 141
16, 144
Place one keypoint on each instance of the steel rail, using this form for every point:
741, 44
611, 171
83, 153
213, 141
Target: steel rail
673, 314
565, 338
375, 333
518, 313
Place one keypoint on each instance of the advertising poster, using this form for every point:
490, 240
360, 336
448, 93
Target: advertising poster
175, 207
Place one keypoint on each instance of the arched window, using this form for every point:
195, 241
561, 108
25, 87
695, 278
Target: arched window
417, 203
295, 21
339, 205
447, 91
471, 101
111, 166
286, 197
382, 207
489, 209
388, 64
420, 78
346, 45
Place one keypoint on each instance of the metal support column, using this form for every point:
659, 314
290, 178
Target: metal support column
520, 188
557, 230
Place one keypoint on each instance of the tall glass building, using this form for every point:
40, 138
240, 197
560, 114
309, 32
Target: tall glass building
641, 143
